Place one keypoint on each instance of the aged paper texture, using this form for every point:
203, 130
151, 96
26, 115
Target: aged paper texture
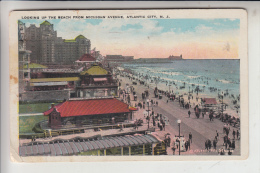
128, 85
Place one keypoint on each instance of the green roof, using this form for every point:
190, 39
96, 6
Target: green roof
19, 22
80, 37
45, 23
69, 40
95, 70
74, 40
34, 65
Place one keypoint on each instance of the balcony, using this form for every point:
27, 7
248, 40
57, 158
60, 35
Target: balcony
106, 85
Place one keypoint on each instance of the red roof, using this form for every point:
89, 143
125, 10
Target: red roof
133, 109
90, 107
87, 57
210, 101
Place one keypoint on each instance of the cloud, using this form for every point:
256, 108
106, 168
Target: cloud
148, 38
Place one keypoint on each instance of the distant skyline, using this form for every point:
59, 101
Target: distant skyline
155, 38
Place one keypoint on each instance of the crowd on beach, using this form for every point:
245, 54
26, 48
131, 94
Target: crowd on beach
198, 85
192, 104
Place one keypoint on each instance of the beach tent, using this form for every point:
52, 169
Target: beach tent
209, 103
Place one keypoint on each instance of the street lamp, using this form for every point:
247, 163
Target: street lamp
222, 95
179, 124
189, 94
156, 81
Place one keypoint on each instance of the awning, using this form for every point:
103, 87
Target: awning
64, 147
65, 79
48, 83
100, 79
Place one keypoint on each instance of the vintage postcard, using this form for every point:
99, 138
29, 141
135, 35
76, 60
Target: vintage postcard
128, 85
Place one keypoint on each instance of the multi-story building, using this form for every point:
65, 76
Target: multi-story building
24, 59
172, 57
47, 48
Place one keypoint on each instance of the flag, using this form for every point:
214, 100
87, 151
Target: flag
93, 50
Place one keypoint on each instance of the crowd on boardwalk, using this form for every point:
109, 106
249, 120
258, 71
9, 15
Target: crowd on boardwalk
157, 120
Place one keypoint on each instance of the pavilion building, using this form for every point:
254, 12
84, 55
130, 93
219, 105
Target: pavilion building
209, 104
85, 60
82, 112
96, 82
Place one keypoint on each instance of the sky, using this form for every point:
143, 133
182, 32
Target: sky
155, 38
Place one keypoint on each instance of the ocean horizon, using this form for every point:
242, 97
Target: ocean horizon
213, 76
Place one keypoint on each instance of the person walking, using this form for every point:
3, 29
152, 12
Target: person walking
233, 144
237, 134
227, 131
163, 124
189, 144
215, 144
234, 134
209, 144
173, 150
206, 145
226, 145
189, 113
169, 141
190, 137
186, 146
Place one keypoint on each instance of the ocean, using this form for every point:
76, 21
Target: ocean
212, 76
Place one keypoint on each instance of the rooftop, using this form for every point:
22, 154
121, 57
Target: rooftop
210, 101
64, 79
74, 40
80, 37
34, 65
90, 107
45, 23
95, 70
77, 145
87, 57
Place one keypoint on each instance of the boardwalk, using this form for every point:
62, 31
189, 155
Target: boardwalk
201, 129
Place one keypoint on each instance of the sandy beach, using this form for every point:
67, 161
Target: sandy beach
199, 79
202, 129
